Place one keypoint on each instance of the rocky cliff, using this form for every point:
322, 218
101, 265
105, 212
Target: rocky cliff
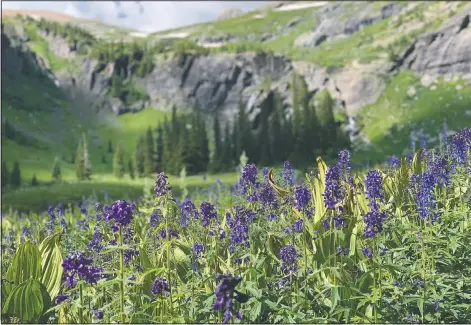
218, 81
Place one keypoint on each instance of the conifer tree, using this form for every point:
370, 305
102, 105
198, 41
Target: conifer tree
216, 163
227, 152
79, 162
15, 178
263, 143
325, 116
244, 133
276, 129
184, 155
131, 169
86, 159
149, 163
139, 156
110, 146
5, 174
159, 150
103, 159
56, 169
118, 163
167, 146
34, 181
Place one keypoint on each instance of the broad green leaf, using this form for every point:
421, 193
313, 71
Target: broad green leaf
51, 264
26, 264
28, 301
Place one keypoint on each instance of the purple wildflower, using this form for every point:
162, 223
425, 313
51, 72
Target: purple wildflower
288, 174
302, 196
162, 186
60, 299
160, 287
121, 212
208, 212
334, 192
189, 211
288, 257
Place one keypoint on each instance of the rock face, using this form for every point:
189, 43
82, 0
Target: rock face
229, 13
446, 51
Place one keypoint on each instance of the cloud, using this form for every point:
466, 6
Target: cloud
142, 16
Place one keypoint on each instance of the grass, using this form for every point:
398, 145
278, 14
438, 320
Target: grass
389, 122
38, 198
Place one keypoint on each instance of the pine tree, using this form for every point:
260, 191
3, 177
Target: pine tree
5, 174
103, 159
276, 129
184, 154
131, 169
244, 133
86, 159
139, 156
325, 116
56, 170
159, 149
15, 178
149, 164
217, 161
227, 151
34, 181
110, 146
264, 157
79, 162
118, 163
167, 146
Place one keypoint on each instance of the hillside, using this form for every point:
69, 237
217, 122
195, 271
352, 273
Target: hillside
397, 70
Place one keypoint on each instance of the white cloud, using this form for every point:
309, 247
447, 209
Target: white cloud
143, 16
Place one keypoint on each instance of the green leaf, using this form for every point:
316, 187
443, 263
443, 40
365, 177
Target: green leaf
256, 311
28, 301
51, 264
26, 264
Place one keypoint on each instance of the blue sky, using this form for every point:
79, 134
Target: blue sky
143, 16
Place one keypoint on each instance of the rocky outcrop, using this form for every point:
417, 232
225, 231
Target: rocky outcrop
445, 51
229, 13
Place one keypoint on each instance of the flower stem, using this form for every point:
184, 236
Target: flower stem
81, 303
121, 264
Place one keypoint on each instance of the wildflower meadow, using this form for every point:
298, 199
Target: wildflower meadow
391, 245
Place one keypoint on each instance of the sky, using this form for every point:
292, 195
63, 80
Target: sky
144, 16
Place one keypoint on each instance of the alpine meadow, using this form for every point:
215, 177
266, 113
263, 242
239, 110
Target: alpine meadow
283, 162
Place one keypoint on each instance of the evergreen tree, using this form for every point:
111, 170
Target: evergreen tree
15, 178
325, 116
263, 157
159, 149
103, 159
131, 169
149, 164
34, 181
236, 139
110, 146
86, 160
301, 122
118, 163
244, 133
217, 161
5, 174
139, 156
167, 146
184, 154
56, 170
276, 130
227, 154
79, 162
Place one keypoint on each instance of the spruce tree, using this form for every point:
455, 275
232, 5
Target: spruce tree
159, 149
34, 181
15, 178
56, 170
227, 153
5, 174
325, 116
86, 159
103, 159
204, 147
110, 146
167, 146
118, 163
244, 133
131, 169
79, 162
185, 158
263, 157
139, 156
276, 129
149, 164
216, 163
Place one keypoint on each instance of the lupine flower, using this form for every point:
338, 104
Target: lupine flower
26, 232
64, 224
264, 172
50, 211
225, 292
172, 233
373, 184
121, 212
98, 207
129, 254
83, 210
373, 223
267, 197
367, 252
418, 283
60, 299
95, 241
398, 284
425, 197
189, 211
344, 162
272, 216
76, 263
423, 142
98, 314
131, 278
207, 213
162, 186
196, 251
288, 174
334, 192
301, 196
160, 287
298, 225
436, 306
249, 175
288, 257
155, 218
138, 268
394, 162
460, 145
240, 225
438, 167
